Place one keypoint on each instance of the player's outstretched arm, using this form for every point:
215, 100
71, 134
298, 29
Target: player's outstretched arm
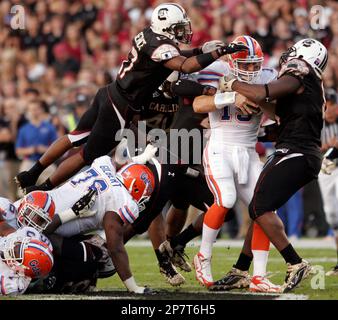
5, 228
201, 61
113, 227
259, 93
81, 208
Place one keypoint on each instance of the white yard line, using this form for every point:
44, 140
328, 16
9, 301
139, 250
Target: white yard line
302, 244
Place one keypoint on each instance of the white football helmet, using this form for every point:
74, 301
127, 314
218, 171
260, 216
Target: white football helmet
171, 20
311, 51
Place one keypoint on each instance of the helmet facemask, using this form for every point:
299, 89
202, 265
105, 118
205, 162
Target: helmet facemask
33, 216
290, 53
239, 68
181, 31
13, 253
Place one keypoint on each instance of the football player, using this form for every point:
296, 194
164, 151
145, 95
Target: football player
154, 55
23, 258
232, 165
121, 199
297, 98
31, 215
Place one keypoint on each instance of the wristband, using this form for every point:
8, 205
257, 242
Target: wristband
67, 215
131, 284
223, 99
205, 59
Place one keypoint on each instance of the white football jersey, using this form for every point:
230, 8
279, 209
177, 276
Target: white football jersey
8, 211
26, 232
12, 282
112, 196
228, 125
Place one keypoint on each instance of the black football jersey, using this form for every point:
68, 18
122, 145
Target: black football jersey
144, 71
301, 115
160, 111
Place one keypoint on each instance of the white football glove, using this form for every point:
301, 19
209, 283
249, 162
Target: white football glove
226, 82
327, 166
147, 154
212, 46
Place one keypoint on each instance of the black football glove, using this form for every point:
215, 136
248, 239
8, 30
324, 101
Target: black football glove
83, 205
231, 48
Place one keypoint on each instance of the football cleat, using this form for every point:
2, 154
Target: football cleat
179, 260
173, 277
203, 270
333, 271
176, 256
263, 284
295, 274
24, 179
234, 279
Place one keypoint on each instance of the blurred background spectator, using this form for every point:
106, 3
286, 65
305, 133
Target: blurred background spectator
69, 48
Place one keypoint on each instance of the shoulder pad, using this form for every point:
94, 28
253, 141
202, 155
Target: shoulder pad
296, 67
164, 52
269, 74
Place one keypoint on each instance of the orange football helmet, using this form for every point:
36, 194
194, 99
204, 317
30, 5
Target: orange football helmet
246, 65
27, 256
36, 210
139, 181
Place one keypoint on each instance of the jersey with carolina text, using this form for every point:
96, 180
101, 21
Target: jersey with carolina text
144, 71
228, 125
112, 196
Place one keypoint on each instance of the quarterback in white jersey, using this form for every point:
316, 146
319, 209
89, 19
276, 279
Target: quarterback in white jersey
232, 165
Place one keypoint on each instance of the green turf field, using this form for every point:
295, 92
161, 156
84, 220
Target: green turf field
144, 266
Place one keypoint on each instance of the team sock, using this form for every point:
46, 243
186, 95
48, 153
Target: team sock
36, 170
213, 221
47, 185
243, 263
184, 237
290, 255
260, 246
161, 258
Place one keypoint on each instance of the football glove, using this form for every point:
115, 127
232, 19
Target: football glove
147, 154
327, 166
231, 48
225, 82
212, 46
81, 208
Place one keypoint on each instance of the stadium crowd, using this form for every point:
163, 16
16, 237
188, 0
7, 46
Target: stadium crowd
50, 70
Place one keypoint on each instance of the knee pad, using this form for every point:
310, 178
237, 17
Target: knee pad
228, 200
